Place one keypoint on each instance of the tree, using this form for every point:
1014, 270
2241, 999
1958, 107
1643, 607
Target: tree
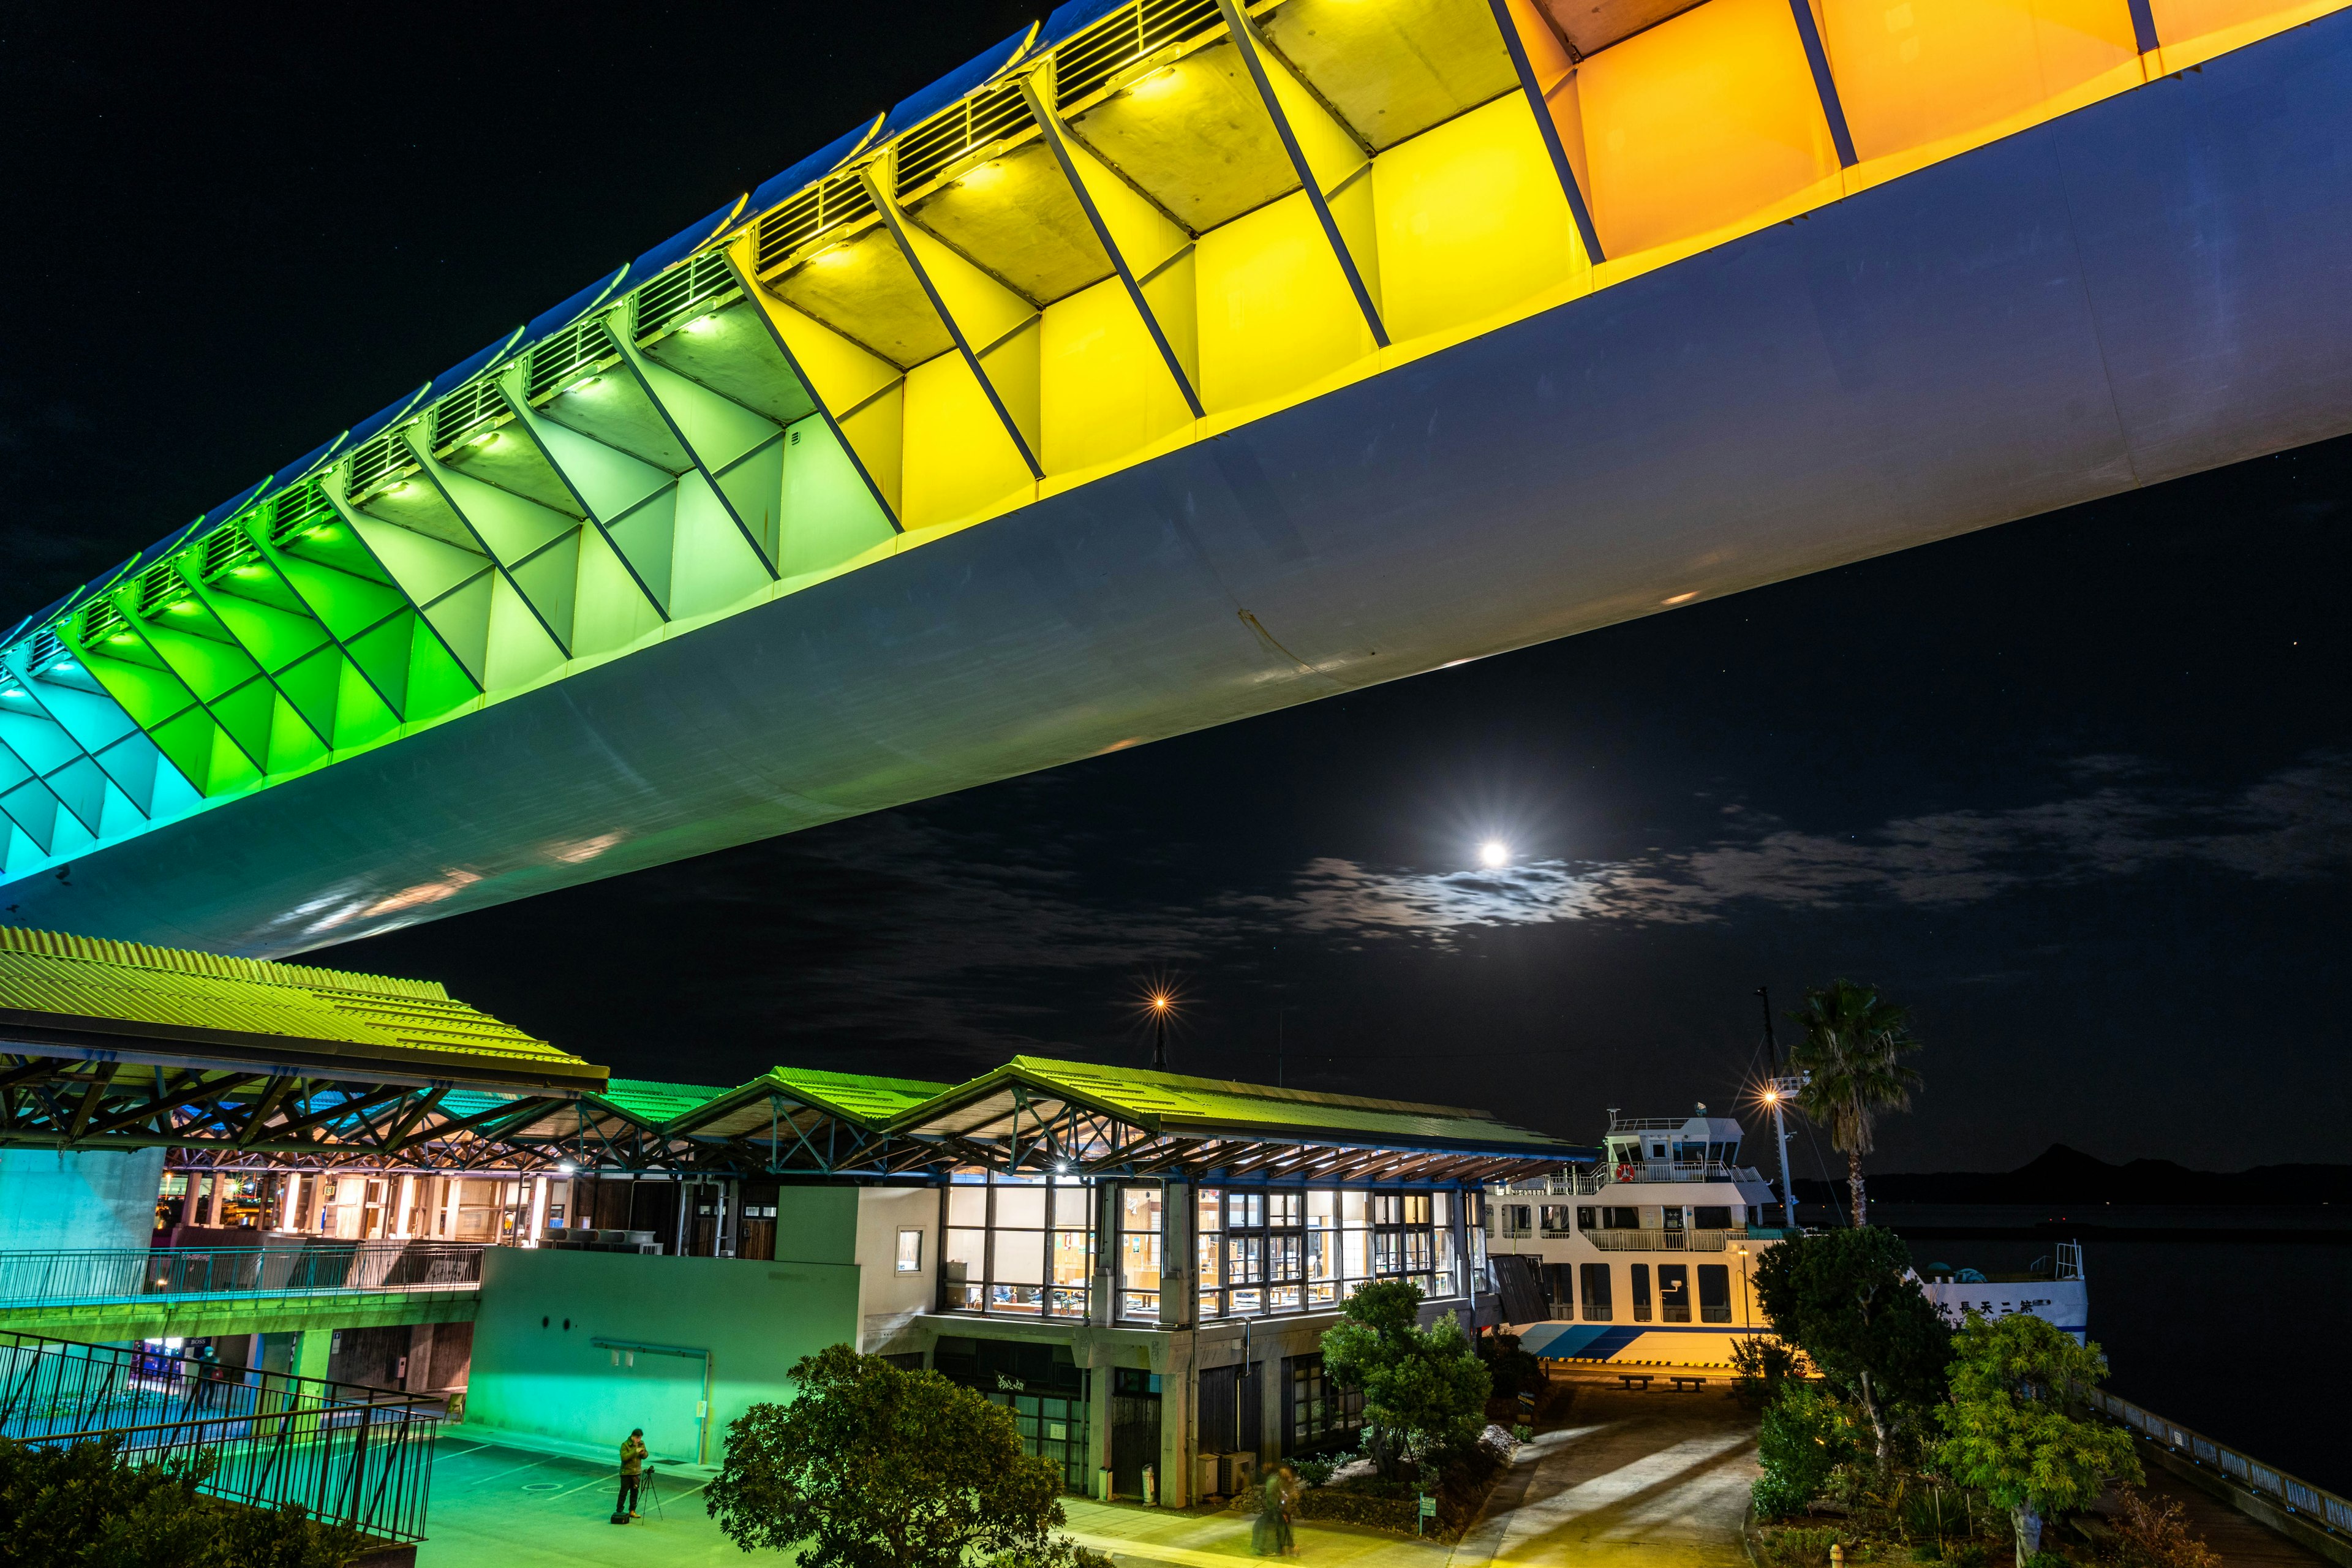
1424, 1389
2007, 1431
1849, 1301
873, 1467
1851, 1051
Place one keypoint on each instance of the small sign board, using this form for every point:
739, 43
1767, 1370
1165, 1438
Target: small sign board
1429, 1508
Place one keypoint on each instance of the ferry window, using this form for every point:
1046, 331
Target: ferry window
1516, 1221
1621, 1219
1673, 1292
1713, 1293
1641, 1273
1711, 1216
1584, 1218
1657, 1151
1595, 1283
1555, 1219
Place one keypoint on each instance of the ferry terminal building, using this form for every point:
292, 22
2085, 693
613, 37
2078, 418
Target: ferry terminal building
1140, 1263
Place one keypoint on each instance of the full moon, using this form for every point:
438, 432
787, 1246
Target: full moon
1495, 854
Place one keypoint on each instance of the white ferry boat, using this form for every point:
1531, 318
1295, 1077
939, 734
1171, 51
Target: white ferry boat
1649, 1258
2055, 1289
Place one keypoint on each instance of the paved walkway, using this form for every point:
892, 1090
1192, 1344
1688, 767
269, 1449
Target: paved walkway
1631, 1479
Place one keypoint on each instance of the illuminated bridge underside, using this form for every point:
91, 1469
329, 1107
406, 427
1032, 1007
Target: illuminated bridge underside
1341, 434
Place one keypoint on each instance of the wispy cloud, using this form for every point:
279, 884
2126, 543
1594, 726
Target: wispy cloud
2296, 823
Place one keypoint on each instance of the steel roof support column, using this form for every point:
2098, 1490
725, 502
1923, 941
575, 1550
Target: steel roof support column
617, 326
1513, 20
852, 386
937, 267
1038, 91
534, 425
437, 475
1361, 279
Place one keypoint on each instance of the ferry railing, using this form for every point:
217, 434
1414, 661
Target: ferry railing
2316, 1505
350, 1454
134, 1274
1665, 1240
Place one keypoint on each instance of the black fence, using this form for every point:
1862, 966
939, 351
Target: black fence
351, 1455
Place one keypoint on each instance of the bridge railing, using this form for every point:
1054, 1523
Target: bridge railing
350, 1454
2328, 1510
131, 1274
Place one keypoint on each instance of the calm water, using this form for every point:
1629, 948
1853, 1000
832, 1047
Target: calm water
2242, 1341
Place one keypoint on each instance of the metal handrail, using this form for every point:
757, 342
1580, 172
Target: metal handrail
349, 1453
2330, 1511
1665, 1240
131, 1274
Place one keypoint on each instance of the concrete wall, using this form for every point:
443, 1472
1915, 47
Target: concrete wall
888, 1301
539, 1371
53, 1201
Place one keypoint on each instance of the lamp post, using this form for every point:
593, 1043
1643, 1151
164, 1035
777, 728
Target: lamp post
1160, 1002
1747, 1316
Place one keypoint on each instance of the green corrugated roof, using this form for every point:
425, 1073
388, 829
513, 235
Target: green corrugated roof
658, 1102
862, 1095
1173, 1102
84, 986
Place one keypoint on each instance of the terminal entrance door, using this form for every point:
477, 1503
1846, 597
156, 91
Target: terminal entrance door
1134, 1430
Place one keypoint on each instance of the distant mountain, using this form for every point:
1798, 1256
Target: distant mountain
2062, 1175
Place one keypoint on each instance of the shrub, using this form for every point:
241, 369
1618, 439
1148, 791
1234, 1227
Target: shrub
2156, 1535
1762, 1364
1797, 1548
1318, 1472
87, 1503
1424, 1389
1805, 1436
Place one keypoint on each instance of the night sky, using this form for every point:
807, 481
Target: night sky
2079, 788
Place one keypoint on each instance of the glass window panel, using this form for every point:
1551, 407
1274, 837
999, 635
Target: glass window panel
1070, 1257
1353, 1208
1354, 1254
967, 1247
1441, 1208
1138, 1209
1713, 1293
1212, 1209
1209, 1249
1138, 1262
1674, 1293
967, 1205
1322, 1209
1593, 1278
1072, 1208
1322, 1255
1285, 1259
1641, 1275
1020, 1258
1021, 1208
1416, 1208
1212, 1304
1248, 1303
1284, 1210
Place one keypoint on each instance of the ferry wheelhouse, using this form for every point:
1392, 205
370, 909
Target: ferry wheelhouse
2054, 1288
1648, 1258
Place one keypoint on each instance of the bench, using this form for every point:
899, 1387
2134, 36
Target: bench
1630, 1378
1693, 1384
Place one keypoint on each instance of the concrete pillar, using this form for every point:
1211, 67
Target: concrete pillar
53, 1201
1173, 1356
1180, 1298
1269, 1382
313, 1347
1100, 1357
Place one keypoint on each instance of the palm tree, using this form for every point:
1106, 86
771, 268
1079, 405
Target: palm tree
1851, 1051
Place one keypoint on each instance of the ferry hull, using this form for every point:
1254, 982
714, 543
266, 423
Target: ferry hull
1634, 1344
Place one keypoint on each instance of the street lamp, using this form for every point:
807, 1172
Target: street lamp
1161, 1002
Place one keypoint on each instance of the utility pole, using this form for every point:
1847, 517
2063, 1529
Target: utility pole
1777, 1096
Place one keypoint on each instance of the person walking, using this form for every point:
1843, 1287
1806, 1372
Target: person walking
1266, 1534
633, 1468
1289, 1488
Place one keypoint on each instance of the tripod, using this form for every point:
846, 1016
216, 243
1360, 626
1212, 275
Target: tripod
652, 1493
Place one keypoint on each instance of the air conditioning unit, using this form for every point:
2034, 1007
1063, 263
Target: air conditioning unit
1236, 1473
